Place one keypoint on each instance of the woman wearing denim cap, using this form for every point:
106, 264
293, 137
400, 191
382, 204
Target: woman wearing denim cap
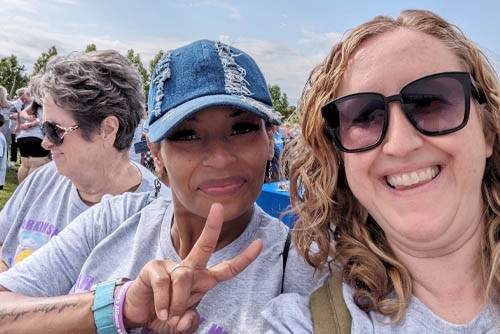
92, 103
210, 117
401, 171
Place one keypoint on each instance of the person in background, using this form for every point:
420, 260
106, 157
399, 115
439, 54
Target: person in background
287, 132
295, 130
273, 168
138, 137
23, 101
3, 153
92, 103
396, 179
29, 138
5, 110
210, 124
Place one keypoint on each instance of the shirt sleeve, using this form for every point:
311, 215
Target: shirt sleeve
9, 212
54, 268
288, 314
300, 277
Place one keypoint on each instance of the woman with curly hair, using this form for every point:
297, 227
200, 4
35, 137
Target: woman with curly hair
396, 181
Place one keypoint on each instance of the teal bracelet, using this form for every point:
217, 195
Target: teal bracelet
103, 306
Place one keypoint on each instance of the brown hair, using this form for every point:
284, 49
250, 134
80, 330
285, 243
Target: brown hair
329, 214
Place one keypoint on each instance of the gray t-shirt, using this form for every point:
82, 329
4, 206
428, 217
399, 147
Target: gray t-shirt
117, 237
290, 313
42, 206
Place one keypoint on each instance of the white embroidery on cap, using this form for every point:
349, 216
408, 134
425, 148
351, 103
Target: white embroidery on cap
234, 74
162, 73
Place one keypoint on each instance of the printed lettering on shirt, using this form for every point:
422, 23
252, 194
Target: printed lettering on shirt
84, 282
39, 226
33, 235
217, 330
214, 329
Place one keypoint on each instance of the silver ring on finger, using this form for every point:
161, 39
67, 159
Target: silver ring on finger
177, 266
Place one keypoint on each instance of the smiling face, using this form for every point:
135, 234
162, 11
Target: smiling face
219, 155
424, 192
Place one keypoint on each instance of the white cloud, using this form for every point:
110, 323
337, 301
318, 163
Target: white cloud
225, 39
30, 6
15, 6
287, 65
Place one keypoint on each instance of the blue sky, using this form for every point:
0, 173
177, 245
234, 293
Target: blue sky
286, 38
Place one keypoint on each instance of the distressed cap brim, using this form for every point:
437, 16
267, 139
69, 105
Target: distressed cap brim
162, 127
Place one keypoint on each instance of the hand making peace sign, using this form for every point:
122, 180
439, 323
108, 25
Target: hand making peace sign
165, 294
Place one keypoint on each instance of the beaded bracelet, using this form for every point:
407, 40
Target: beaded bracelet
118, 308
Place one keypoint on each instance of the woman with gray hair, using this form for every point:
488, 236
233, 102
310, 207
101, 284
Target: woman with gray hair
92, 104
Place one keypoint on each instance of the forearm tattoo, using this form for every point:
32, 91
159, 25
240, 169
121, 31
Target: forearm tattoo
38, 307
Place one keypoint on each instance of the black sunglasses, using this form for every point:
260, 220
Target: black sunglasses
435, 105
55, 132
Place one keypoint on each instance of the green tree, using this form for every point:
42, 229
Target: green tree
136, 61
41, 62
12, 74
154, 61
152, 65
90, 47
280, 101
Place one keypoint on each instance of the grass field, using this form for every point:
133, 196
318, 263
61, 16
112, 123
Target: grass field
9, 186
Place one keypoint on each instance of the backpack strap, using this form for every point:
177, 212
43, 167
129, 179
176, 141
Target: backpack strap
329, 312
285, 257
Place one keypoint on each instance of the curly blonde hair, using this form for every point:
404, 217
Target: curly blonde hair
329, 214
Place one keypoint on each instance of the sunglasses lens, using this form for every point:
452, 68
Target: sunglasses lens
50, 130
436, 105
361, 119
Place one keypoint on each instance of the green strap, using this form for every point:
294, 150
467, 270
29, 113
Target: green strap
329, 312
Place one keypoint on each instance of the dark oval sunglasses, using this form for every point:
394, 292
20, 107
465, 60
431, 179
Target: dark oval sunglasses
55, 132
435, 105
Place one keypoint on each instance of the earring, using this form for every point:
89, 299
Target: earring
269, 170
157, 186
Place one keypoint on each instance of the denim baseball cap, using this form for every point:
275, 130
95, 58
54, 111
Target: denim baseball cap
202, 75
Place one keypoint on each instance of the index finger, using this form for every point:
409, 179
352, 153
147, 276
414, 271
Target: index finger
206, 243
